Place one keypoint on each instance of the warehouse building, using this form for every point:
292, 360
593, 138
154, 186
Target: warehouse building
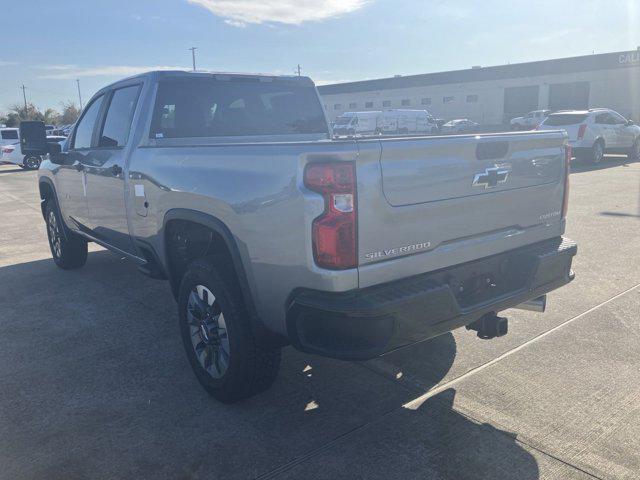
494, 95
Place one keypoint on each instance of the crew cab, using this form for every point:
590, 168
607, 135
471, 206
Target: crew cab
271, 232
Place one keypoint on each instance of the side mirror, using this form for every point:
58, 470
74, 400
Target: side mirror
630, 123
55, 153
33, 138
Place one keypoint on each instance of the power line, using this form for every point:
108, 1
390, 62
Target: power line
193, 56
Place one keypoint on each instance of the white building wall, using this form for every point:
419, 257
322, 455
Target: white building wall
618, 89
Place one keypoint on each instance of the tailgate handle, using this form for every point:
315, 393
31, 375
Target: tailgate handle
491, 150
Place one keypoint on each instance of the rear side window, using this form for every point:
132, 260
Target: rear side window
9, 134
117, 124
84, 131
209, 107
561, 119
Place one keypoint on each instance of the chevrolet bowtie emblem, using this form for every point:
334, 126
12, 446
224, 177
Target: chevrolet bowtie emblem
491, 177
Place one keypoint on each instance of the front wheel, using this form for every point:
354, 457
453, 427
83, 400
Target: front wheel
31, 162
69, 250
217, 335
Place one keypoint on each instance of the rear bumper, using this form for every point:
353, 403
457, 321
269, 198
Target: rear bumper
365, 323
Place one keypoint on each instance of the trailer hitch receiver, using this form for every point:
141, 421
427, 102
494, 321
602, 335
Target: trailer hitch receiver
490, 326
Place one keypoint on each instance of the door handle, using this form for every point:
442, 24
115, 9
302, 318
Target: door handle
116, 170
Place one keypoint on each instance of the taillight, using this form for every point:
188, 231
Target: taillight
8, 149
334, 232
568, 155
581, 130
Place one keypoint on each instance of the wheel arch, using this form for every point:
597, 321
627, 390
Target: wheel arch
233, 248
48, 192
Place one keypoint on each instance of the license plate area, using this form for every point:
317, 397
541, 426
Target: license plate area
479, 282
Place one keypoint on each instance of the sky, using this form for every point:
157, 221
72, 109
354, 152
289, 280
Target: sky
48, 45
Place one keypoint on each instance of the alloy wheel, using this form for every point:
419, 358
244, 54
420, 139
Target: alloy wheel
208, 329
32, 163
54, 234
598, 152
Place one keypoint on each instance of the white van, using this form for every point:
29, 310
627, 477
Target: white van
408, 122
358, 123
9, 136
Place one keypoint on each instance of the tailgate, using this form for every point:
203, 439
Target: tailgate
442, 201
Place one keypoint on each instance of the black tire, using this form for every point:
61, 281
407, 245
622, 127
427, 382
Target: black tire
242, 369
69, 250
634, 153
596, 154
31, 162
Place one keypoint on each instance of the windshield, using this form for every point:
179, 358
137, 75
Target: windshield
343, 120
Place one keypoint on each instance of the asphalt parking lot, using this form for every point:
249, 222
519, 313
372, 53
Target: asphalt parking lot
95, 384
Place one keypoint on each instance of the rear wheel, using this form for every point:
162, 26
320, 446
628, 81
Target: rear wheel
69, 250
217, 335
634, 153
597, 153
31, 162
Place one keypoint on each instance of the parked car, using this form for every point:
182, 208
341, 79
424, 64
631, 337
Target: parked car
9, 136
459, 126
66, 129
530, 121
12, 154
592, 133
358, 123
272, 233
400, 122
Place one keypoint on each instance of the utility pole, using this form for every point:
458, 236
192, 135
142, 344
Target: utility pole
299, 70
79, 94
24, 96
193, 56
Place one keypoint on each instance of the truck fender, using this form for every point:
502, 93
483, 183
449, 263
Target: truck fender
46, 181
215, 224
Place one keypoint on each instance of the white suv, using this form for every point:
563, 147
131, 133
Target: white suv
9, 136
592, 133
530, 121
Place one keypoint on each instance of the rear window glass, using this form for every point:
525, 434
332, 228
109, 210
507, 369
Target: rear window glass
209, 107
9, 134
557, 120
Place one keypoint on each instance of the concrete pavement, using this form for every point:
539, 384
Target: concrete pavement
95, 383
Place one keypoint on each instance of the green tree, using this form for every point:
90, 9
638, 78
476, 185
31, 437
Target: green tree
18, 113
70, 113
51, 116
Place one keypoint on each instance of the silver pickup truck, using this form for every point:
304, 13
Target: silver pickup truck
272, 233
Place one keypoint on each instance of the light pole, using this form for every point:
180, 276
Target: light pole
79, 94
193, 56
24, 96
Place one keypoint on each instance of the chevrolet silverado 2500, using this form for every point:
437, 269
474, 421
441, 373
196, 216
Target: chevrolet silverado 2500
271, 233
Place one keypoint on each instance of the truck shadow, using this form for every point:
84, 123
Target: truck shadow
95, 384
